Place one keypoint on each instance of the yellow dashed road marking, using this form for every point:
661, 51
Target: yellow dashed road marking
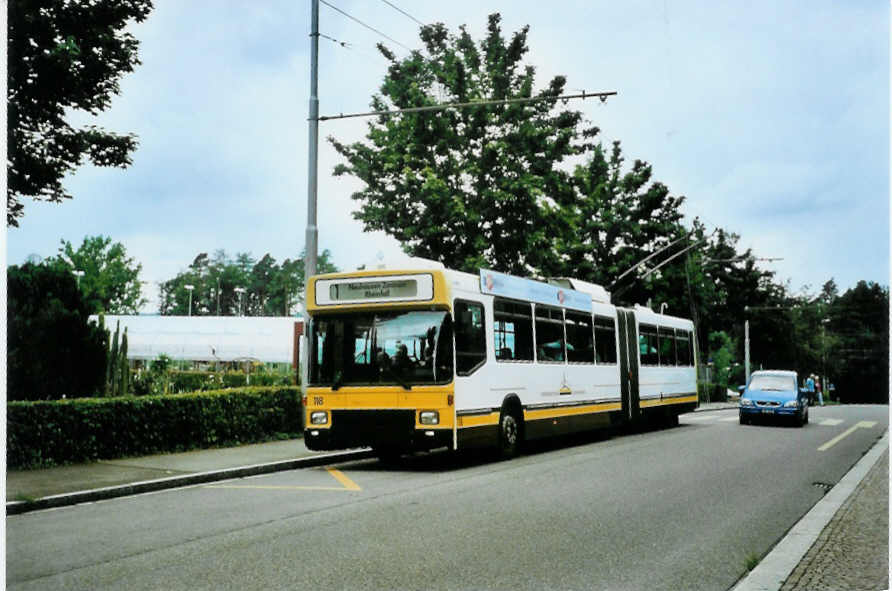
340, 477
846, 433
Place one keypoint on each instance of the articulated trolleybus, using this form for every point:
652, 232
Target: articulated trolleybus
425, 357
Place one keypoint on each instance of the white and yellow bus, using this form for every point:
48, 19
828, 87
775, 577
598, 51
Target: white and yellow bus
426, 357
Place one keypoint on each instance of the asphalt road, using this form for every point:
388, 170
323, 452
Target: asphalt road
681, 508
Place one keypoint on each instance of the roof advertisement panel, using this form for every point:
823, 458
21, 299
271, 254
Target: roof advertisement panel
518, 288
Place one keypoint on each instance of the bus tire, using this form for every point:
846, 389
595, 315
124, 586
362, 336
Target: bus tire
387, 454
510, 432
671, 420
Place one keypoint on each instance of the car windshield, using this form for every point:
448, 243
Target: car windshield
778, 383
385, 348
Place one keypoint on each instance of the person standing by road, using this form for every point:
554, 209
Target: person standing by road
810, 388
818, 391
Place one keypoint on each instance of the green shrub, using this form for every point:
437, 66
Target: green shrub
78, 430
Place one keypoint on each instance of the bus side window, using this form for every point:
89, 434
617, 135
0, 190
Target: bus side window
605, 340
470, 337
513, 330
549, 334
648, 344
683, 342
667, 346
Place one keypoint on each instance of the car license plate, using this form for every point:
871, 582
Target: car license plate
767, 411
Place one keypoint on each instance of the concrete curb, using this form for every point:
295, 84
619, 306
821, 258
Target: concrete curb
776, 567
123, 490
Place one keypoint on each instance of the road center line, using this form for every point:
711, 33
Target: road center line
846, 433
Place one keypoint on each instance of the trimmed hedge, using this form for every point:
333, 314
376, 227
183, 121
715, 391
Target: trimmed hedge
51, 432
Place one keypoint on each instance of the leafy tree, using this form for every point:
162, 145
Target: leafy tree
110, 282
270, 289
64, 56
52, 349
616, 220
288, 285
480, 186
859, 354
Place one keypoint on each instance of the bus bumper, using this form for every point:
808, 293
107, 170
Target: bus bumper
376, 428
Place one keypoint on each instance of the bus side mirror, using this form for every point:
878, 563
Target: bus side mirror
740, 389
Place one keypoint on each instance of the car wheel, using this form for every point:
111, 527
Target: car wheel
509, 433
743, 420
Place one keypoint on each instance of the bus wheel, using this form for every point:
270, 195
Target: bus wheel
509, 433
387, 454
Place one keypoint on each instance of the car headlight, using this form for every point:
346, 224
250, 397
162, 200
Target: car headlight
429, 417
319, 417
791, 404
746, 402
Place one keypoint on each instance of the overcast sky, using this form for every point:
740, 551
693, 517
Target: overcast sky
772, 118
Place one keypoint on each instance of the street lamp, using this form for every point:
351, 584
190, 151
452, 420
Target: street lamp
240, 291
189, 288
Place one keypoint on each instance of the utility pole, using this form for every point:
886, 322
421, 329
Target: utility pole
313, 151
312, 236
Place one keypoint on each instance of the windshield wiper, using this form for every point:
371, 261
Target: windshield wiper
383, 362
399, 379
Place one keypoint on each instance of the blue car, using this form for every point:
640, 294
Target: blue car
774, 394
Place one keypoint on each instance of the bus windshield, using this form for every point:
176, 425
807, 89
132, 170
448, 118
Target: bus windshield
384, 348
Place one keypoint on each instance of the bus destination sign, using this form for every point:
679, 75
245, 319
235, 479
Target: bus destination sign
373, 290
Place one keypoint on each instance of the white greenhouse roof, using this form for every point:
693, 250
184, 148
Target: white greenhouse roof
208, 338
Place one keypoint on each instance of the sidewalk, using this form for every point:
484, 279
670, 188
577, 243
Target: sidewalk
849, 551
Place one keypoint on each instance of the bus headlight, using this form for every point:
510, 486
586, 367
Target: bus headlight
319, 417
791, 404
746, 402
429, 417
